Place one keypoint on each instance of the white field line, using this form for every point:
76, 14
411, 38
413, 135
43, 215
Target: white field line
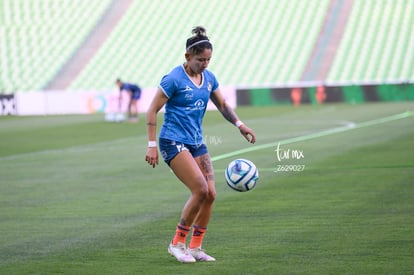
347, 127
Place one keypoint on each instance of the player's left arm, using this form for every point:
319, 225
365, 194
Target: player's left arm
230, 115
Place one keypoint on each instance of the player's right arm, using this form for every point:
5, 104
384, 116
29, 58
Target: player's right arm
157, 103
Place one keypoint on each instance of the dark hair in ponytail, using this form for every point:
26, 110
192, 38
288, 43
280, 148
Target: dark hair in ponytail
198, 42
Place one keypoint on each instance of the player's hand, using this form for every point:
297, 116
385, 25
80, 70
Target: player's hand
152, 156
247, 133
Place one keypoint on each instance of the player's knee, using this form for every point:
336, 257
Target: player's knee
208, 197
211, 196
201, 192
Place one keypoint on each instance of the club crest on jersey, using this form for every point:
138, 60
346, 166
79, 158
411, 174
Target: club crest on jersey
209, 87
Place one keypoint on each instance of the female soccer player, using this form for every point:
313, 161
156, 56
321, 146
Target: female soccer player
134, 92
185, 92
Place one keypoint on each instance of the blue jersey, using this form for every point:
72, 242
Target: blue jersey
186, 105
134, 89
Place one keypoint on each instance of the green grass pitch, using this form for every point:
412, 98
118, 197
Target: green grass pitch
77, 197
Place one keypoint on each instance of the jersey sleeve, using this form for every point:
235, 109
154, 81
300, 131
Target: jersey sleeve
168, 85
214, 83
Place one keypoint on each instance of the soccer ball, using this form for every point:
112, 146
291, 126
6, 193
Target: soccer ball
241, 175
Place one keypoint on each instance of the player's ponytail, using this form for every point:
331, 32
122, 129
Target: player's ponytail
199, 41
199, 31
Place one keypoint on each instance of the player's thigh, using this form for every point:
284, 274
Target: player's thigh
187, 170
206, 167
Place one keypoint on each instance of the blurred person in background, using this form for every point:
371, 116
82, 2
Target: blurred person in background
134, 93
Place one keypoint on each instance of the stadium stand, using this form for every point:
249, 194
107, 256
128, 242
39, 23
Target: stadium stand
323, 53
256, 43
377, 45
88, 47
38, 37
